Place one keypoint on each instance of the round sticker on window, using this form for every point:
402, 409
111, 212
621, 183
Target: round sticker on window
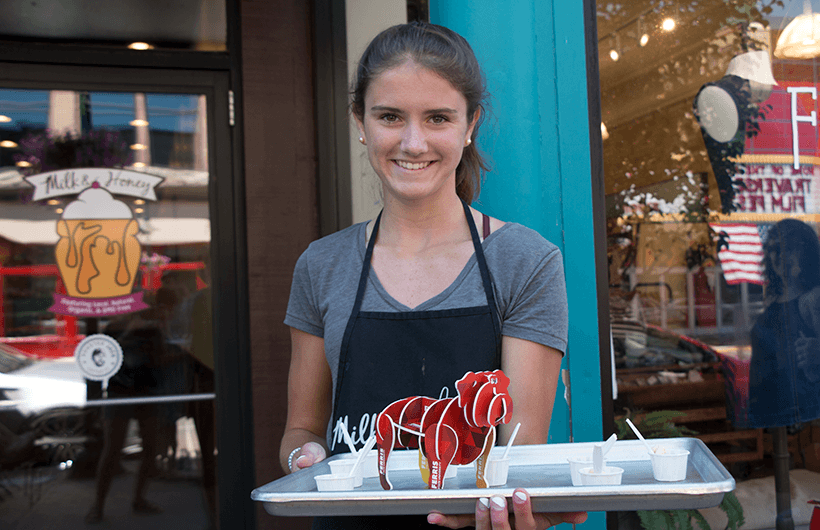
99, 357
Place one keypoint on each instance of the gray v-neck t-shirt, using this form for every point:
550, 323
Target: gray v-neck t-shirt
527, 272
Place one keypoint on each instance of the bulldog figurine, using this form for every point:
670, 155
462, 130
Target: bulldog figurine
448, 431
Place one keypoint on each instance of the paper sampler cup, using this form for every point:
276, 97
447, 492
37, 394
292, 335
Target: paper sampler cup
335, 482
496, 471
343, 466
669, 465
609, 475
370, 464
576, 464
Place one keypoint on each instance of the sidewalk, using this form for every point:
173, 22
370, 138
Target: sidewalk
46, 498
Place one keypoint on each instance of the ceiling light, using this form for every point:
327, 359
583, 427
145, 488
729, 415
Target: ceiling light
138, 164
58, 210
4, 119
139, 201
53, 202
138, 123
139, 147
138, 210
615, 48
23, 163
644, 36
140, 46
8, 143
801, 37
668, 24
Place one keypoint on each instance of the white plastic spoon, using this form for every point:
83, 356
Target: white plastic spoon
609, 443
599, 451
597, 458
509, 444
347, 438
638, 434
366, 449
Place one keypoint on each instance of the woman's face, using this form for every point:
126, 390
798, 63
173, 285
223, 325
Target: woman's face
415, 125
784, 263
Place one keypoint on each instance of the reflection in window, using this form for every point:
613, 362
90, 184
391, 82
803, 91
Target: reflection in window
710, 142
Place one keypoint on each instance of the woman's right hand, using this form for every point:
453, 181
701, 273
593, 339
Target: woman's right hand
310, 453
309, 400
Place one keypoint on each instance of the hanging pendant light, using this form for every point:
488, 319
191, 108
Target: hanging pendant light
801, 38
615, 48
755, 67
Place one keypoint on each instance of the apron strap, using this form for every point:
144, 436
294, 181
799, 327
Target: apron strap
354, 313
368, 255
485, 274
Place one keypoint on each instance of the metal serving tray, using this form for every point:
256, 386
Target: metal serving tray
542, 469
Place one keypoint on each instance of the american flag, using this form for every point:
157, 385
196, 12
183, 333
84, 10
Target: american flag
740, 251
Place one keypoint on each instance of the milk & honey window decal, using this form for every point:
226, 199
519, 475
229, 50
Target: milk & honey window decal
98, 253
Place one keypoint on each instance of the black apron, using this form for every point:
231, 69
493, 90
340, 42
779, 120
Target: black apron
387, 356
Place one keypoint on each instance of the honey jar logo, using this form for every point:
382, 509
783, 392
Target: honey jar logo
98, 252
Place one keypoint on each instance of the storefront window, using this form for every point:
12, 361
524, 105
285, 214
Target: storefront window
106, 355
711, 161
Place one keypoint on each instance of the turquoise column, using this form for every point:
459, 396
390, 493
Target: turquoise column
537, 141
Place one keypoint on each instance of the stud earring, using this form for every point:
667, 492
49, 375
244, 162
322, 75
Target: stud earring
361, 139
468, 142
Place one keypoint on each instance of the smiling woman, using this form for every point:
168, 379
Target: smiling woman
416, 127
446, 56
435, 299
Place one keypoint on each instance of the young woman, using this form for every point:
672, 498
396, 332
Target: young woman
784, 372
406, 304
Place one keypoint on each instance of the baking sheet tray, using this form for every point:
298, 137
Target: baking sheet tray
542, 469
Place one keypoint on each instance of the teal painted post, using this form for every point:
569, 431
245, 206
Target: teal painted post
537, 141
571, 114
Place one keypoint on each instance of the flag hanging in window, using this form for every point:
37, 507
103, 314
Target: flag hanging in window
740, 251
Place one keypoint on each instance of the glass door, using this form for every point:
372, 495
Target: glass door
107, 363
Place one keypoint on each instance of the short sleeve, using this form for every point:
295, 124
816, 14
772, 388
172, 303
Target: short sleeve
303, 309
537, 309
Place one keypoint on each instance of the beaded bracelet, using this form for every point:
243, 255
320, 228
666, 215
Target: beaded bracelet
290, 458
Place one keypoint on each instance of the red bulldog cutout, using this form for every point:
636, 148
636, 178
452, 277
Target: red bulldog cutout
457, 430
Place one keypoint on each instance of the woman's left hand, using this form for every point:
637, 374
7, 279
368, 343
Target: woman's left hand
492, 514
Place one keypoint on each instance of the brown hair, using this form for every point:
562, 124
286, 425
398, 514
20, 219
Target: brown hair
791, 236
446, 53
